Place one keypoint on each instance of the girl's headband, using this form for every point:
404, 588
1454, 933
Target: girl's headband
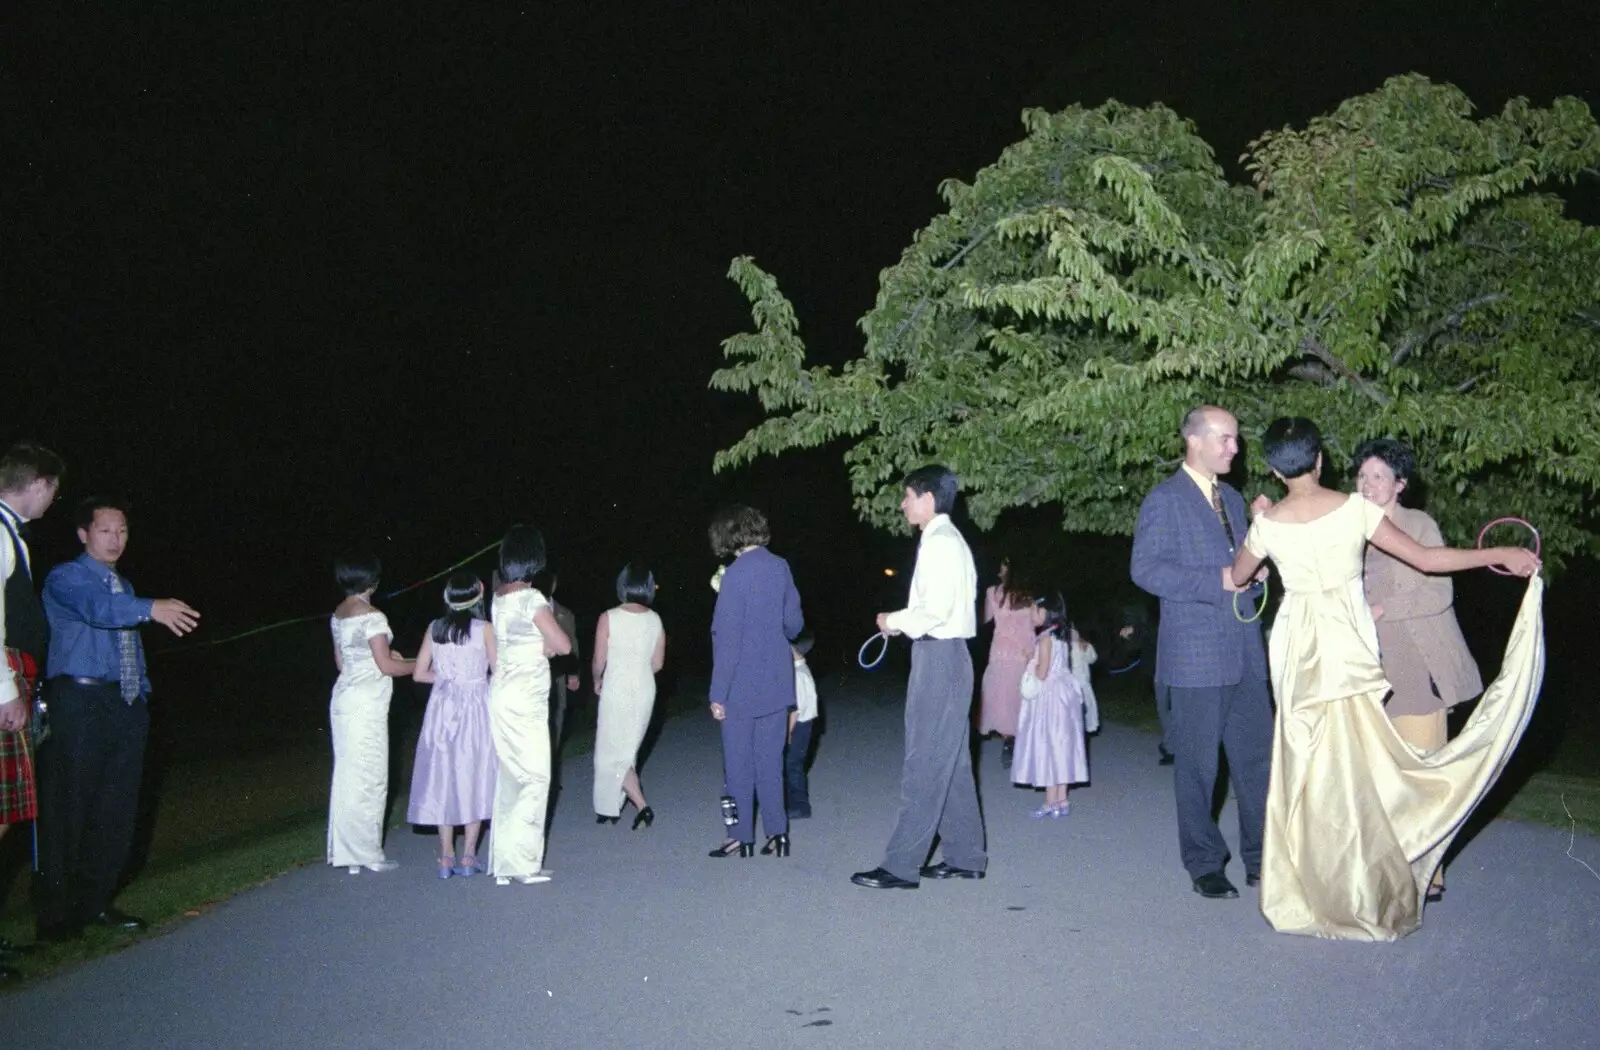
468, 603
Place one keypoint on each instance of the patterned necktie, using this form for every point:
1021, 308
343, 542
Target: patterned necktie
1222, 515
127, 654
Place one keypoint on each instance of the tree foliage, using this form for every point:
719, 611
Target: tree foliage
1396, 267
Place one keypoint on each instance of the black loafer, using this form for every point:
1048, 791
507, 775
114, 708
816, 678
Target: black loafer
882, 879
1215, 886
112, 919
942, 870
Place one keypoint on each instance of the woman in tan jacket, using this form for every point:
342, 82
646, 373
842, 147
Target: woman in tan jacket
1420, 645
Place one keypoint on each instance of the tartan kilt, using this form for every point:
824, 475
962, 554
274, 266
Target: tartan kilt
18, 797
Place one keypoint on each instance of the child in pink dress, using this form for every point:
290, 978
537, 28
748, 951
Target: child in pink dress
1050, 743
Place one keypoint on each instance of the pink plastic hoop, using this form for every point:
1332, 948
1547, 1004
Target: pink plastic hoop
1508, 521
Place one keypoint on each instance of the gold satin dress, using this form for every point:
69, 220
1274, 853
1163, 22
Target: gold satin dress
1357, 820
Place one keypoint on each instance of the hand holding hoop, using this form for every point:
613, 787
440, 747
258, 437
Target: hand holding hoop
1484, 532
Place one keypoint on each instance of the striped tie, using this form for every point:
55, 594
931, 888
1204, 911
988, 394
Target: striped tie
1222, 515
128, 677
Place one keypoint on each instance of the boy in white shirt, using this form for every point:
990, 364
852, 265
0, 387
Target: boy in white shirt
802, 718
938, 793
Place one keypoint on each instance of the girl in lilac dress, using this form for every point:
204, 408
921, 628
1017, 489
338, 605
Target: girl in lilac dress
1010, 606
453, 780
1050, 746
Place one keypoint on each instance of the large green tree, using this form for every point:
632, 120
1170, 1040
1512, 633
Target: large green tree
1397, 267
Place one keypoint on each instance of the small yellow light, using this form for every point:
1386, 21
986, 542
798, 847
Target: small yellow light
888, 572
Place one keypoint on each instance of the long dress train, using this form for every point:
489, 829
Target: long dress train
1357, 821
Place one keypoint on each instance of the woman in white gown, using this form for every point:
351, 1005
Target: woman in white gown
359, 717
526, 636
630, 646
1357, 819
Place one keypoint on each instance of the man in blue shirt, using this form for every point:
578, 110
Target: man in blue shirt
99, 718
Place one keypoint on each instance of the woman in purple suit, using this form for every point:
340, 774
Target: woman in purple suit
752, 675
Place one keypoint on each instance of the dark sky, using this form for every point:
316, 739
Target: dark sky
304, 277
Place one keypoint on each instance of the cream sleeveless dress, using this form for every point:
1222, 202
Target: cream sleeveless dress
519, 721
627, 698
358, 715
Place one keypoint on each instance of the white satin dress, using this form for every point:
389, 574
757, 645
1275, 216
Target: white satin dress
519, 720
359, 717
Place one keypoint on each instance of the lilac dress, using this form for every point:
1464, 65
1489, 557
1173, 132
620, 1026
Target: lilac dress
454, 776
1050, 747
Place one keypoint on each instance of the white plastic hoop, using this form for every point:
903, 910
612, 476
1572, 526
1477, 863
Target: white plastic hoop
883, 650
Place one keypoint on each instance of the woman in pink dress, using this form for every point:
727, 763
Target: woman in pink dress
1010, 606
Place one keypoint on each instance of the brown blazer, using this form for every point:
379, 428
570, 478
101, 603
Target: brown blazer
1418, 638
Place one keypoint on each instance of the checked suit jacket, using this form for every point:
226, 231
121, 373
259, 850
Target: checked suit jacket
1179, 549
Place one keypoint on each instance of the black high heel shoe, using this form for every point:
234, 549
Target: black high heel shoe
646, 817
732, 846
777, 845
601, 819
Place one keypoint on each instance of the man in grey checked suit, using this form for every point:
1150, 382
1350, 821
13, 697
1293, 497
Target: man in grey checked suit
1189, 529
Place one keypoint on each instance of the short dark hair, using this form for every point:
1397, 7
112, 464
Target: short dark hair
25, 462
939, 480
736, 527
357, 572
803, 642
635, 583
522, 554
83, 516
1291, 446
455, 625
1396, 454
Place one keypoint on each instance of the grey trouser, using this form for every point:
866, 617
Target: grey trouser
1238, 720
938, 794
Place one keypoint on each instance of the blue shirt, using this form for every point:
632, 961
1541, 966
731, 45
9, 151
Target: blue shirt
89, 606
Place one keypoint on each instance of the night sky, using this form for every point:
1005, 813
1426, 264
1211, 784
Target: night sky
303, 278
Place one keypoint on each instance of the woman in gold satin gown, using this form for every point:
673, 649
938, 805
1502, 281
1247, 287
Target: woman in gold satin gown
1357, 820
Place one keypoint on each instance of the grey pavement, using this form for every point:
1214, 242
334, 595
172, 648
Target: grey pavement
1085, 934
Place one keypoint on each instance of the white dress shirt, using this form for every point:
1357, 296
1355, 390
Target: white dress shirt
8, 684
944, 586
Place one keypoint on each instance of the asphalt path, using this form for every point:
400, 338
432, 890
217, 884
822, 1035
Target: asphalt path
1085, 934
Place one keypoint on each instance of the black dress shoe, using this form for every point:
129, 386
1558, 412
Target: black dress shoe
1166, 759
776, 845
600, 818
882, 879
1215, 886
646, 817
112, 919
942, 870
1252, 879
1435, 894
